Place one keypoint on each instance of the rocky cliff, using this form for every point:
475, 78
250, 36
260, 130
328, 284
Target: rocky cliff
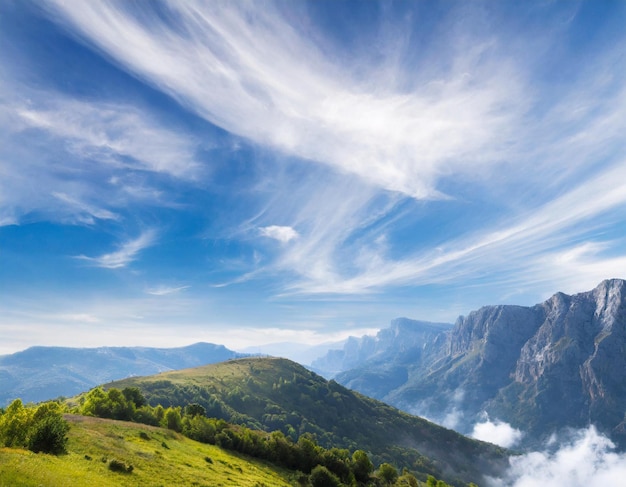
390, 352
561, 363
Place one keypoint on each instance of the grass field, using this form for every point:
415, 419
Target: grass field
158, 457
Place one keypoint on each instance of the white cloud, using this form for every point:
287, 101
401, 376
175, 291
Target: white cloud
241, 68
126, 254
117, 134
83, 212
589, 460
78, 161
166, 290
475, 117
281, 233
497, 432
536, 249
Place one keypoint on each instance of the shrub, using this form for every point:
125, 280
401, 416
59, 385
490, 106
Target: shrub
48, 435
322, 477
40, 430
119, 466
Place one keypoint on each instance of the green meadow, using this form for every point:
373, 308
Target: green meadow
154, 456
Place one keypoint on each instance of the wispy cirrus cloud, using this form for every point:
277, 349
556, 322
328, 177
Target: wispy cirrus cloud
83, 212
126, 254
241, 68
94, 156
166, 290
117, 134
542, 248
473, 123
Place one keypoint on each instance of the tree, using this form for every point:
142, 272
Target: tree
195, 410
146, 415
95, 403
322, 477
362, 466
15, 424
199, 428
173, 421
387, 473
48, 435
308, 453
337, 460
407, 480
134, 395
119, 406
40, 430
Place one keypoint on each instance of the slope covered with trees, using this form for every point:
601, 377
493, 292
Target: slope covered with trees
304, 463
277, 394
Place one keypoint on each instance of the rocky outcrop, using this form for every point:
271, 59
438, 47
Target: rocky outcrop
403, 340
558, 364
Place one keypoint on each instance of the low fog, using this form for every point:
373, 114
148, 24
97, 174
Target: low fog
579, 458
585, 459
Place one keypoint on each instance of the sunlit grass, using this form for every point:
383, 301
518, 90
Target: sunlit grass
159, 457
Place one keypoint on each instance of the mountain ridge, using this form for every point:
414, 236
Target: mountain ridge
41, 373
541, 368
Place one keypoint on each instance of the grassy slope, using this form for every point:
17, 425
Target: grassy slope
279, 394
180, 462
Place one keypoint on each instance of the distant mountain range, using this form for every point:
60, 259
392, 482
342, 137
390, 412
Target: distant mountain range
558, 364
41, 373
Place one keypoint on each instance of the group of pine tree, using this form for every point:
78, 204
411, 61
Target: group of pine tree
43, 429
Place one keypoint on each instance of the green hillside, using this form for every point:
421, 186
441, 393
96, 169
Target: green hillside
158, 457
277, 394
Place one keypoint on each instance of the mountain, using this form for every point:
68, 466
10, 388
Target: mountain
278, 394
558, 364
397, 344
298, 352
157, 457
41, 373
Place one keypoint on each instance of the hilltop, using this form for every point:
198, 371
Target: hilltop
41, 373
278, 394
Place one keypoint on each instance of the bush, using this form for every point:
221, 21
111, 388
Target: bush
48, 435
121, 467
322, 477
40, 430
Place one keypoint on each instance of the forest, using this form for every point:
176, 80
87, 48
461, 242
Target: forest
43, 429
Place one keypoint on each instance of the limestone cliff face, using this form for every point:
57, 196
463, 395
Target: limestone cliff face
387, 356
561, 363
570, 371
404, 337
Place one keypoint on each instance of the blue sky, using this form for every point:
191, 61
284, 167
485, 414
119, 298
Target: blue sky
255, 172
